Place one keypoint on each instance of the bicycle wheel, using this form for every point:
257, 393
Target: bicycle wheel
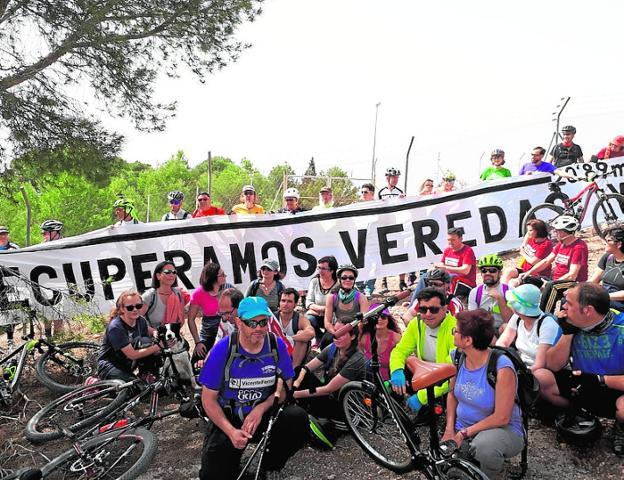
546, 212
75, 411
608, 211
121, 455
557, 198
373, 426
63, 368
459, 469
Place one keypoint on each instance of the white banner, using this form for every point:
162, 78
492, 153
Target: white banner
380, 238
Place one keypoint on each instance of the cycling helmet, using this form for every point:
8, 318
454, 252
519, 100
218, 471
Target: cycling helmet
578, 428
51, 226
392, 172
291, 193
439, 275
124, 203
175, 195
565, 222
497, 152
344, 267
448, 175
568, 129
490, 260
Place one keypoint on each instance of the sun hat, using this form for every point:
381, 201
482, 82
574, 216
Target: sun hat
251, 307
525, 300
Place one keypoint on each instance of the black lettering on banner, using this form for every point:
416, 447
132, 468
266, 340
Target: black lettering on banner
109, 277
614, 190
87, 279
141, 275
451, 218
385, 245
35, 274
281, 255
570, 170
5, 288
617, 170
355, 257
308, 258
245, 261
602, 167
421, 239
525, 206
484, 213
210, 255
186, 265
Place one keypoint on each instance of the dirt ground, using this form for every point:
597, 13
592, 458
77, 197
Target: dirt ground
180, 443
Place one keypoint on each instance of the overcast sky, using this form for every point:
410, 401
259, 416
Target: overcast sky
462, 77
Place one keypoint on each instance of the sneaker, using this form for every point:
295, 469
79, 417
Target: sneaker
618, 438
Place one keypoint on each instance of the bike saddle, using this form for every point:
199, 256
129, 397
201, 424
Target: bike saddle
426, 374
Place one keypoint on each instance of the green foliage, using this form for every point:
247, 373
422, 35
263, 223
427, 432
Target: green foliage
92, 323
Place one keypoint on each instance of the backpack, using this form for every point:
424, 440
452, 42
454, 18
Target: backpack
255, 285
152, 303
481, 291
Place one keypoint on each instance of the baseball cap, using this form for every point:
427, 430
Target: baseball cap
251, 307
249, 188
3, 229
271, 264
325, 189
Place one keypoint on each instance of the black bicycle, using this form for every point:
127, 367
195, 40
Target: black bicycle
383, 428
61, 368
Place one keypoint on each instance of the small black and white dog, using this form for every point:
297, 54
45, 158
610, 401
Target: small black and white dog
170, 334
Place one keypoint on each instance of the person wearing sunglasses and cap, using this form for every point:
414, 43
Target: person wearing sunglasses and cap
239, 379
5, 244
176, 212
204, 206
128, 339
429, 336
248, 205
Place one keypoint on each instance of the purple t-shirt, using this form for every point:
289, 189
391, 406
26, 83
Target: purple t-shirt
540, 167
252, 376
476, 398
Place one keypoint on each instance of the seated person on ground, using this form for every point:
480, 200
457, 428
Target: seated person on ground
296, 327
490, 296
128, 338
610, 270
485, 421
535, 246
593, 341
531, 331
268, 285
429, 336
387, 333
318, 290
239, 379
460, 262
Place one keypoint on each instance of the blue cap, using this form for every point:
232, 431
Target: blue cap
525, 300
251, 307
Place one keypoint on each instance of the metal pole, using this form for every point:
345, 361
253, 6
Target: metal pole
148, 207
374, 142
209, 172
28, 214
556, 135
407, 164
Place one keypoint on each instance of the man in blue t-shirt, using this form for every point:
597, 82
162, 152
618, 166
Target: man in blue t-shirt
593, 336
239, 381
537, 164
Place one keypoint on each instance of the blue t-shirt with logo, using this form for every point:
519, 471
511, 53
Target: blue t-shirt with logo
601, 354
252, 375
476, 397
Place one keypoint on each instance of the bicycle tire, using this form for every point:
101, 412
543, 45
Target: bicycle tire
371, 423
61, 373
75, 411
557, 198
611, 206
538, 211
461, 469
100, 451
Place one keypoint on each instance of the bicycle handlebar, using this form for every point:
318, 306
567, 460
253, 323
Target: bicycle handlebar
360, 317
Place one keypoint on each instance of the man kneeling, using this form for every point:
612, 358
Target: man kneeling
239, 379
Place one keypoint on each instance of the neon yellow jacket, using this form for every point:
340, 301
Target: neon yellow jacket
413, 342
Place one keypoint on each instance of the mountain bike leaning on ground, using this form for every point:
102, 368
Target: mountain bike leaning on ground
382, 427
608, 209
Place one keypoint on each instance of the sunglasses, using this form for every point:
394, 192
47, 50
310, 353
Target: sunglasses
203, 199
249, 193
348, 277
490, 270
290, 199
225, 313
175, 202
424, 309
169, 271
131, 308
435, 283
256, 323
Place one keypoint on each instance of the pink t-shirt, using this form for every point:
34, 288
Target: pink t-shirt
539, 251
464, 256
384, 357
566, 255
208, 303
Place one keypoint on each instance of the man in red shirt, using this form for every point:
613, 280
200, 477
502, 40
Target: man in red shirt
205, 208
460, 262
568, 260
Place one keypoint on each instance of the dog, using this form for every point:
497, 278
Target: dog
169, 334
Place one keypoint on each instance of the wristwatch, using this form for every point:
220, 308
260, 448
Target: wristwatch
464, 433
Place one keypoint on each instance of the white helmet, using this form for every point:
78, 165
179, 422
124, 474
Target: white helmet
567, 223
392, 172
291, 193
52, 226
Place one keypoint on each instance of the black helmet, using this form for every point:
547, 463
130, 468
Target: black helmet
578, 428
568, 129
51, 226
439, 275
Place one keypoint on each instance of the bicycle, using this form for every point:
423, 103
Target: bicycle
383, 428
608, 210
61, 368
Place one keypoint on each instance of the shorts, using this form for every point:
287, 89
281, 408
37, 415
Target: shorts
597, 399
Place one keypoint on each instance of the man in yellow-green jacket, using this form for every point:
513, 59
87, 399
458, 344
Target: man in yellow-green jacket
429, 336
